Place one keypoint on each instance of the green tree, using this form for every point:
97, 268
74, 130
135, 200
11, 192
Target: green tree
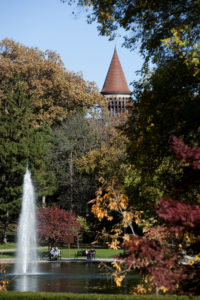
54, 91
21, 144
72, 140
146, 22
36, 95
167, 104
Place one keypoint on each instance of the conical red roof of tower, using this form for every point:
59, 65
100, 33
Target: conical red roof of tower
115, 81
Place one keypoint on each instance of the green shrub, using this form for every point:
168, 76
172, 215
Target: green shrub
66, 296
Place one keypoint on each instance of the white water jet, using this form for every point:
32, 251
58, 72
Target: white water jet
26, 259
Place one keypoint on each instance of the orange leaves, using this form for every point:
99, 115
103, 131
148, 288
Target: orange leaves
108, 201
127, 218
118, 280
98, 212
54, 90
107, 204
3, 282
198, 198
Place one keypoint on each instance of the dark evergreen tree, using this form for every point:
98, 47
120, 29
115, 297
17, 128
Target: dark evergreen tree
21, 145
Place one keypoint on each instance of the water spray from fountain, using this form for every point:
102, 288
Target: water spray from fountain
26, 260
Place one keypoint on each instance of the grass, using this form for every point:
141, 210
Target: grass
69, 296
66, 253
7, 246
100, 253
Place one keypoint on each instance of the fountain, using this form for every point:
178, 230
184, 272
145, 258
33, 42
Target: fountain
66, 276
26, 259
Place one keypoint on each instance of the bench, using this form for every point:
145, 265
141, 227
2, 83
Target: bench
44, 255
49, 256
80, 254
84, 253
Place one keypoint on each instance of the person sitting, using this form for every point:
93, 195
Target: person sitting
89, 255
84, 253
51, 253
57, 253
92, 252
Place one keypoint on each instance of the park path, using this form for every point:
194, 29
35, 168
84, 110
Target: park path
12, 260
83, 260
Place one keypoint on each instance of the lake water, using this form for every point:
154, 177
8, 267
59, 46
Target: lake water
70, 277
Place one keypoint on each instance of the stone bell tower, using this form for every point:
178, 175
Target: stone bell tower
115, 87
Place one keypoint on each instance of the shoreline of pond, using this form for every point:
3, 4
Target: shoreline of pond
83, 260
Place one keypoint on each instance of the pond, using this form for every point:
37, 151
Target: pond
70, 277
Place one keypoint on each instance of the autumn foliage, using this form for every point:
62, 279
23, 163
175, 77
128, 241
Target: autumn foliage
166, 254
179, 216
54, 224
170, 263
3, 281
186, 154
53, 91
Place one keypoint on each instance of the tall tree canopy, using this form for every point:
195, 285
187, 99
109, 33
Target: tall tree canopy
21, 144
72, 140
167, 105
52, 90
36, 94
148, 22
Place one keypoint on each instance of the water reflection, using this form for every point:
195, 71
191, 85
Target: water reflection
25, 283
71, 277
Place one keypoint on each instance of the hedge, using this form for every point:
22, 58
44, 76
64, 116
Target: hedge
69, 296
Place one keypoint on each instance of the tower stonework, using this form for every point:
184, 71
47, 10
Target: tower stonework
115, 87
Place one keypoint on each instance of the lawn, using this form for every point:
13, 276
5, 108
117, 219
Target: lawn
100, 253
7, 246
8, 251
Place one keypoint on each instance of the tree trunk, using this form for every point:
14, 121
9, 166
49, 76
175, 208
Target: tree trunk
71, 181
43, 201
5, 240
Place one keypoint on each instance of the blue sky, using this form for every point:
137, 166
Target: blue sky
50, 24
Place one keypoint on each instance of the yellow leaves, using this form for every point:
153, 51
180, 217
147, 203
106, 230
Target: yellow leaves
113, 205
118, 273
123, 201
139, 290
145, 228
163, 289
193, 260
99, 212
118, 280
145, 287
138, 217
186, 236
197, 258
147, 224
126, 237
109, 201
114, 244
3, 285
180, 43
136, 242
127, 218
117, 266
3, 282
190, 262
198, 198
